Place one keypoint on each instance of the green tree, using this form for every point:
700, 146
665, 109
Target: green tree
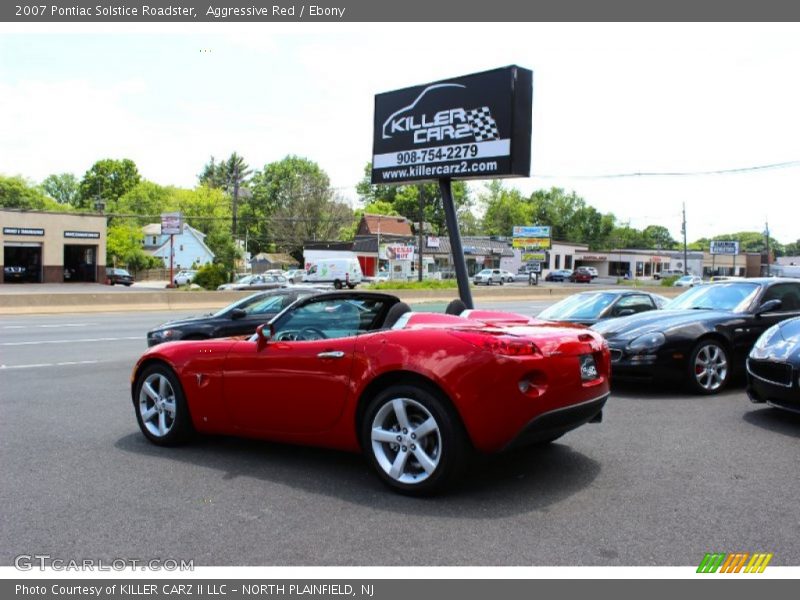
124, 247
63, 188
504, 208
658, 236
146, 199
16, 192
108, 180
225, 174
292, 202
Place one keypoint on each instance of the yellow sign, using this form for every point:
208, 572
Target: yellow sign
530, 242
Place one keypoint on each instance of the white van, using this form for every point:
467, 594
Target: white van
338, 271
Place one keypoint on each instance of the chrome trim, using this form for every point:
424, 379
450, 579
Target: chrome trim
791, 376
605, 396
331, 354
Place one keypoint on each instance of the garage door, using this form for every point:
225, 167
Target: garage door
22, 262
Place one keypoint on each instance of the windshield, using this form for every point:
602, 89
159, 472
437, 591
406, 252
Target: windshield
581, 306
735, 297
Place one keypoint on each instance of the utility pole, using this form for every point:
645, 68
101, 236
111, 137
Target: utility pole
766, 235
235, 198
685, 249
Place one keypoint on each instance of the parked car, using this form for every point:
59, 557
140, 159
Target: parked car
488, 277
580, 275
703, 336
558, 275
381, 277
587, 308
295, 275
773, 367
359, 371
239, 318
688, 281
121, 276
508, 276
591, 270
256, 282
184, 277
14, 273
668, 273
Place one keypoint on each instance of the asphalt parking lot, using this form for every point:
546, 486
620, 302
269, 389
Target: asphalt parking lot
664, 479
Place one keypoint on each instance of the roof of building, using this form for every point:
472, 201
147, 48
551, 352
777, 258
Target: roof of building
274, 258
384, 225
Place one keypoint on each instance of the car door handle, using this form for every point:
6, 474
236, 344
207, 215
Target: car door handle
331, 354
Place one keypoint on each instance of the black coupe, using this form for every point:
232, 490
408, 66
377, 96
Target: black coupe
703, 336
240, 318
587, 308
773, 368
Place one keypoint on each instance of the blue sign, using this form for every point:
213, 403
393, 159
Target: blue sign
536, 231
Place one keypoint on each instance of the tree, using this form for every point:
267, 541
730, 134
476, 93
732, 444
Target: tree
62, 188
16, 192
292, 202
225, 174
503, 209
658, 236
108, 180
124, 246
147, 199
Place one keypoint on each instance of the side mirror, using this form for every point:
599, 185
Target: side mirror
768, 306
238, 313
263, 335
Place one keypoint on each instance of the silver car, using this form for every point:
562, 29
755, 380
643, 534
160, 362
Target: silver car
488, 277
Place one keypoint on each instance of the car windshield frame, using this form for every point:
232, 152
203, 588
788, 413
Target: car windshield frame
740, 296
568, 307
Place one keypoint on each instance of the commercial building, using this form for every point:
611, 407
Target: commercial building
51, 247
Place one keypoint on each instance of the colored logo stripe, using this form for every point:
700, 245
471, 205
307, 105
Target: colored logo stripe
735, 562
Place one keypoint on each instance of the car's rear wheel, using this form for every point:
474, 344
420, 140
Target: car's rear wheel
337, 284
709, 367
414, 440
161, 408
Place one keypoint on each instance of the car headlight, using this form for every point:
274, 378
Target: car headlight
167, 335
647, 342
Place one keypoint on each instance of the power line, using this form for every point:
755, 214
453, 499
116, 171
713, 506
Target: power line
772, 166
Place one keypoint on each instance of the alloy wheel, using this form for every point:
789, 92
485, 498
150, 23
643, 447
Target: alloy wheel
157, 405
710, 367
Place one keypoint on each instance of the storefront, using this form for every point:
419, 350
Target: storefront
46, 247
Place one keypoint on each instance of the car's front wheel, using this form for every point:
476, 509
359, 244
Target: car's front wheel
709, 367
414, 440
161, 408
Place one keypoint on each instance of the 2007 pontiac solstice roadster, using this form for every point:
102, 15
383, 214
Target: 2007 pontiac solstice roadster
416, 392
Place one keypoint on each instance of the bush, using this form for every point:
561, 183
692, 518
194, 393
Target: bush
427, 284
211, 276
668, 281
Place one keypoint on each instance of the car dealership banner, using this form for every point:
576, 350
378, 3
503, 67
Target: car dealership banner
724, 247
476, 126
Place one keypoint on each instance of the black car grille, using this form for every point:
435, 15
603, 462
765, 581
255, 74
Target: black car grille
774, 372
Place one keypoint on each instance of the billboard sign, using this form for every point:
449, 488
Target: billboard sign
534, 257
724, 247
537, 231
171, 223
528, 242
396, 252
475, 126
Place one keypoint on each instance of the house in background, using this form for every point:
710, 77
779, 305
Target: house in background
265, 261
189, 247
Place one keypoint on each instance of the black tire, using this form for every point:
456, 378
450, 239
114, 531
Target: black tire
337, 284
713, 357
501, 282
448, 446
351, 286
179, 424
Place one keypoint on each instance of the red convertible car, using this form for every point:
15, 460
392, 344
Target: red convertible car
417, 393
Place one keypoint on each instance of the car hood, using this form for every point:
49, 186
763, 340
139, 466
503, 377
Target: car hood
184, 321
628, 328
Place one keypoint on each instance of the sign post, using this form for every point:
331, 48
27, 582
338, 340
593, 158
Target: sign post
473, 127
171, 223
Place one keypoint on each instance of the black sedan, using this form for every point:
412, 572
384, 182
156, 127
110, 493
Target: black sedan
121, 276
773, 367
703, 336
240, 318
587, 308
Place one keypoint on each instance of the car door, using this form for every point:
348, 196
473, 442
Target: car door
298, 382
789, 295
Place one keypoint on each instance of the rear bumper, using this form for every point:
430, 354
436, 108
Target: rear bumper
557, 422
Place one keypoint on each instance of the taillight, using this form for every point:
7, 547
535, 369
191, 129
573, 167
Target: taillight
499, 343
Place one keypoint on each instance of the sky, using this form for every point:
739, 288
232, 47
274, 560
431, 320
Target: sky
609, 99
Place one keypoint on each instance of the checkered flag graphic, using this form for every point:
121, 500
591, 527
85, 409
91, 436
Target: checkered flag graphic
483, 125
